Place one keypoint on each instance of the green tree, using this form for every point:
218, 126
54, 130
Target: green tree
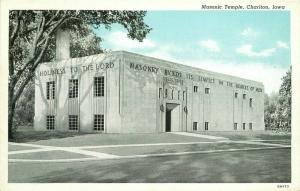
270, 109
283, 111
32, 36
278, 106
24, 112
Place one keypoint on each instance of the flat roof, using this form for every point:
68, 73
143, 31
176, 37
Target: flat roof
162, 63
190, 69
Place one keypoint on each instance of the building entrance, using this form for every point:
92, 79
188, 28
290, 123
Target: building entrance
172, 117
168, 120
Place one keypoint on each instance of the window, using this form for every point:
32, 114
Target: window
206, 126
183, 95
73, 122
50, 122
51, 90
235, 126
166, 93
99, 86
244, 126
195, 125
250, 126
178, 95
244, 96
99, 122
235, 94
206, 90
250, 102
195, 89
159, 92
172, 94
73, 88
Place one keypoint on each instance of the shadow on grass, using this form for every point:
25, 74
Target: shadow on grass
23, 135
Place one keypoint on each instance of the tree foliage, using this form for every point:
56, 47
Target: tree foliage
24, 113
270, 109
285, 102
32, 40
278, 106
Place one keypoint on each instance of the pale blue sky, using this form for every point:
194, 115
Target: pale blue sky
248, 44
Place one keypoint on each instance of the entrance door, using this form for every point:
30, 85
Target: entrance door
168, 120
172, 118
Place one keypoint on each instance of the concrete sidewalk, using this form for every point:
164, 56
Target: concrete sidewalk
199, 135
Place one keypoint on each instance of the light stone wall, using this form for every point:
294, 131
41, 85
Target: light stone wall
132, 103
139, 98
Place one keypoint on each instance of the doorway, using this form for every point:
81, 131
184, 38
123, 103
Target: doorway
168, 120
172, 117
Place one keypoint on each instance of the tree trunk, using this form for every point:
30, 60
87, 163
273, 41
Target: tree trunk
11, 112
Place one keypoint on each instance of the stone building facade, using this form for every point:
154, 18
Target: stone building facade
123, 92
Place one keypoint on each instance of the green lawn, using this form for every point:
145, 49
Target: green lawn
264, 166
49, 155
127, 151
24, 135
133, 150
19, 148
249, 135
119, 139
282, 142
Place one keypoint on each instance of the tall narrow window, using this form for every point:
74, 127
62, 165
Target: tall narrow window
159, 93
166, 93
235, 126
206, 126
206, 90
244, 96
235, 94
172, 94
73, 88
99, 122
99, 86
195, 89
51, 90
73, 122
183, 95
178, 95
244, 126
195, 126
250, 102
50, 122
250, 126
